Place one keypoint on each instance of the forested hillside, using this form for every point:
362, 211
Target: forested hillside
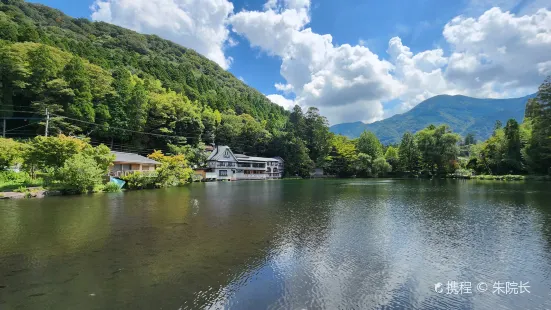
465, 115
105, 78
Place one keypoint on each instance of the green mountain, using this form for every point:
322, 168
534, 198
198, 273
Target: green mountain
463, 114
113, 77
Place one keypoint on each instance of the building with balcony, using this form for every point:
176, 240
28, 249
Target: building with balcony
223, 164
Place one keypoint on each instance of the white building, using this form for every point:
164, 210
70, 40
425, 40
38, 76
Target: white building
223, 164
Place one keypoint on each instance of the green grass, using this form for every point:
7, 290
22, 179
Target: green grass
17, 181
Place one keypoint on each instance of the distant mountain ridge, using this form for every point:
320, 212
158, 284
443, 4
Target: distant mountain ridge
463, 114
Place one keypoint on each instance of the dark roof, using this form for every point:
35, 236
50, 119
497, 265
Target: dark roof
133, 158
219, 151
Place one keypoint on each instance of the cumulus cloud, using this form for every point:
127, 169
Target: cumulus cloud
498, 49
197, 24
335, 78
492, 53
282, 101
496, 54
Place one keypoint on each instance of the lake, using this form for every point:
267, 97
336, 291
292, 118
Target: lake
296, 244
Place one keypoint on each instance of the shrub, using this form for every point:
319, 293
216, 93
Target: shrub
10, 153
111, 187
79, 174
138, 180
174, 170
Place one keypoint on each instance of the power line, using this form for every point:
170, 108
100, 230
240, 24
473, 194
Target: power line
22, 126
99, 125
128, 130
21, 111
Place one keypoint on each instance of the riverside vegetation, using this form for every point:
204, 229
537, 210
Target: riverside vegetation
139, 93
72, 165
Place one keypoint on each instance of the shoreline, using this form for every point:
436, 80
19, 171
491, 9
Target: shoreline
34, 192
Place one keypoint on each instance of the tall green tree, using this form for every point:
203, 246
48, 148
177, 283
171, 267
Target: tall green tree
538, 150
343, 158
469, 139
439, 149
392, 157
409, 154
513, 157
318, 136
80, 106
369, 144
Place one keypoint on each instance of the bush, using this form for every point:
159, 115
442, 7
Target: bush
111, 187
174, 170
10, 153
138, 180
79, 174
10, 180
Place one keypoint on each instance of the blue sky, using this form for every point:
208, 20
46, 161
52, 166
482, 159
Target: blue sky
361, 81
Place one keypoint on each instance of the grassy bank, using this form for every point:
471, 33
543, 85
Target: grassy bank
508, 177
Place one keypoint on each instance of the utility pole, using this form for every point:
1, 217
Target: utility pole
47, 122
4, 128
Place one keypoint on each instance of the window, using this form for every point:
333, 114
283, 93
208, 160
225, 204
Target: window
227, 154
223, 173
255, 165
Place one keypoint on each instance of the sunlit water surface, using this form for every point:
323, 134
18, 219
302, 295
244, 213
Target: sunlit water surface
331, 244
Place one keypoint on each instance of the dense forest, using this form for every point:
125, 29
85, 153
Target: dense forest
140, 93
110, 83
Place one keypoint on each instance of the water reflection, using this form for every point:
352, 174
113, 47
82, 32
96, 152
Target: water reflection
290, 244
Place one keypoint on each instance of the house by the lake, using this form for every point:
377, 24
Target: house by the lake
223, 164
126, 163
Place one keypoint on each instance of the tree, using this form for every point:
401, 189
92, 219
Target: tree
538, 150
498, 125
392, 156
43, 68
343, 158
318, 136
297, 122
174, 170
369, 144
294, 152
13, 77
381, 167
79, 174
80, 106
513, 147
11, 153
8, 29
364, 165
469, 139
51, 152
409, 154
438, 147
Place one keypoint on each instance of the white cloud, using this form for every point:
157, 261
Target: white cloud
197, 24
319, 73
496, 54
286, 88
282, 101
498, 49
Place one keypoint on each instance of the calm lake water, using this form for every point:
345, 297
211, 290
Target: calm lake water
328, 244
